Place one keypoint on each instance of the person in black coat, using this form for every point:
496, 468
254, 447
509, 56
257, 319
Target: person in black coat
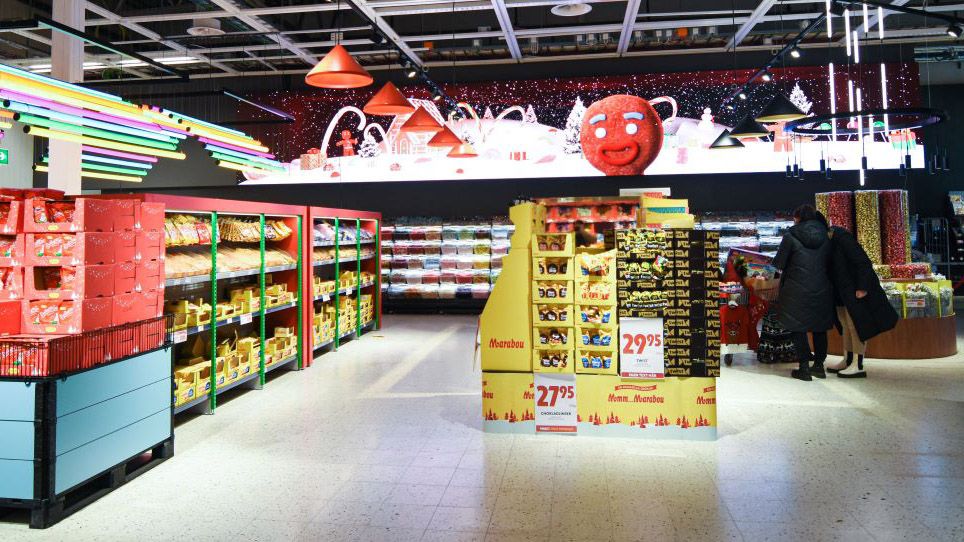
863, 311
806, 294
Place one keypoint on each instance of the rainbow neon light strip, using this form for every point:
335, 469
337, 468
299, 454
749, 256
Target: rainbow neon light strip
121, 140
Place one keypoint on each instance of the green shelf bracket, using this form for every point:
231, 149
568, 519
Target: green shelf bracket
337, 286
300, 308
377, 299
213, 399
261, 296
358, 293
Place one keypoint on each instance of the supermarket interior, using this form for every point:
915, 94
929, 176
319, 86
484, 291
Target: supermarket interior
515, 270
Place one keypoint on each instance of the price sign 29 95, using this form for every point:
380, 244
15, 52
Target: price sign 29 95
636, 343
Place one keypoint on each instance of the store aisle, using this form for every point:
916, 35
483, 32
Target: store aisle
381, 441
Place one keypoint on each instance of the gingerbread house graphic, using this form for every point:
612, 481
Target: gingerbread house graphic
413, 143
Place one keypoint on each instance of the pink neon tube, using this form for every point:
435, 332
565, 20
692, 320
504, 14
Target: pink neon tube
70, 110
217, 143
119, 154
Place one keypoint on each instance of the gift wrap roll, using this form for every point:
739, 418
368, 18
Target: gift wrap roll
893, 227
905, 203
840, 210
867, 210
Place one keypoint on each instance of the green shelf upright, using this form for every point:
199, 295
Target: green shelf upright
213, 400
358, 282
261, 299
301, 316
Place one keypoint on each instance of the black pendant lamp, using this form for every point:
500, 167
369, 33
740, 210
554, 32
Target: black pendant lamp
726, 141
748, 127
780, 109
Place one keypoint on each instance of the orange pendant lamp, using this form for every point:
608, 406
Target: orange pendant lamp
388, 101
338, 70
421, 122
463, 151
444, 138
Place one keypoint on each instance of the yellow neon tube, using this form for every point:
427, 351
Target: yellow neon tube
103, 143
51, 90
104, 176
241, 167
253, 144
5, 126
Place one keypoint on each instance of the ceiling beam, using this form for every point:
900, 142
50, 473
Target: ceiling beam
872, 18
629, 19
502, 14
758, 14
367, 11
218, 13
254, 22
148, 33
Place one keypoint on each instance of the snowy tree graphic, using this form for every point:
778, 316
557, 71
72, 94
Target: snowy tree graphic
799, 99
530, 116
369, 148
574, 128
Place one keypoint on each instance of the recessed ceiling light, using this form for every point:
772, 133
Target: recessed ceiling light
205, 27
573, 9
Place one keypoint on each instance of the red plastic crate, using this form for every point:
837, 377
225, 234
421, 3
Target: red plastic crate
10, 317
81, 248
11, 282
125, 278
66, 316
125, 211
11, 250
89, 281
149, 275
88, 215
150, 217
11, 215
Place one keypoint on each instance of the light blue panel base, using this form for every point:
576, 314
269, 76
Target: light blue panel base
96, 421
617, 430
90, 387
16, 441
82, 463
501, 426
16, 479
17, 401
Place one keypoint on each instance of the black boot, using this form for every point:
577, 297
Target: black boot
854, 371
803, 373
817, 369
845, 363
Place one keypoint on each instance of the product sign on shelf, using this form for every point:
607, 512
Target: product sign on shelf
555, 403
641, 342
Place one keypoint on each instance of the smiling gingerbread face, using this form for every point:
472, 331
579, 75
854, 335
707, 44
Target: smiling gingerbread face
621, 135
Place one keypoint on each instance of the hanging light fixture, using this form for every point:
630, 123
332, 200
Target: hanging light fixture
748, 127
444, 138
388, 101
463, 151
726, 141
780, 109
420, 121
338, 70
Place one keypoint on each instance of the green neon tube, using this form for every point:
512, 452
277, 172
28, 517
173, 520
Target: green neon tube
244, 161
92, 132
83, 121
109, 169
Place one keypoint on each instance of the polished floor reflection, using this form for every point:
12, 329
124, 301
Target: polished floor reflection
381, 441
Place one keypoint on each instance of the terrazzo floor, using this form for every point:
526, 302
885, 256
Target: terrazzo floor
381, 441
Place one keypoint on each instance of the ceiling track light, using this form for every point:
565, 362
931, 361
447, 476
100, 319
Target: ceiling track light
795, 52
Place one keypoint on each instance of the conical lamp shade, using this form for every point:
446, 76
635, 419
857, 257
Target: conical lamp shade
780, 109
338, 70
388, 101
749, 128
420, 121
463, 151
444, 138
726, 141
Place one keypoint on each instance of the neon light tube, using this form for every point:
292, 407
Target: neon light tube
846, 23
860, 118
229, 152
176, 115
91, 175
92, 141
216, 143
883, 95
880, 22
109, 169
60, 84
240, 167
833, 100
829, 24
83, 121
5, 126
24, 99
856, 49
850, 92
116, 162
202, 132
54, 93
862, 179
235, 159
866, 20
119, 154
92, 132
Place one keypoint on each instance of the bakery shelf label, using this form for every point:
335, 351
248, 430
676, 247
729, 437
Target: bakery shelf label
641, 345
555, 403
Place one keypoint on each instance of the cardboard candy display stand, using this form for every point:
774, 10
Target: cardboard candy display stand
551, 339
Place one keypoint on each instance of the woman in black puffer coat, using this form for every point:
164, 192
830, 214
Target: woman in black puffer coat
806, 293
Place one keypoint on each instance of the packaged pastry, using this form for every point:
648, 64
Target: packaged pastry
40, 211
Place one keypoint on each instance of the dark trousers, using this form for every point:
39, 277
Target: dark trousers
802, 346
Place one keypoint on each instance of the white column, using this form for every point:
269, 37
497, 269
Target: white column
67, 65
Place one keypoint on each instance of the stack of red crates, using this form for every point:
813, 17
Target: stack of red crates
77, 266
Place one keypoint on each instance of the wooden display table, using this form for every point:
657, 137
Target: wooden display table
913, 338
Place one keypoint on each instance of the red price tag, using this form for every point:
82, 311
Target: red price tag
641, 344
555, 403
637, 343
549, 394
